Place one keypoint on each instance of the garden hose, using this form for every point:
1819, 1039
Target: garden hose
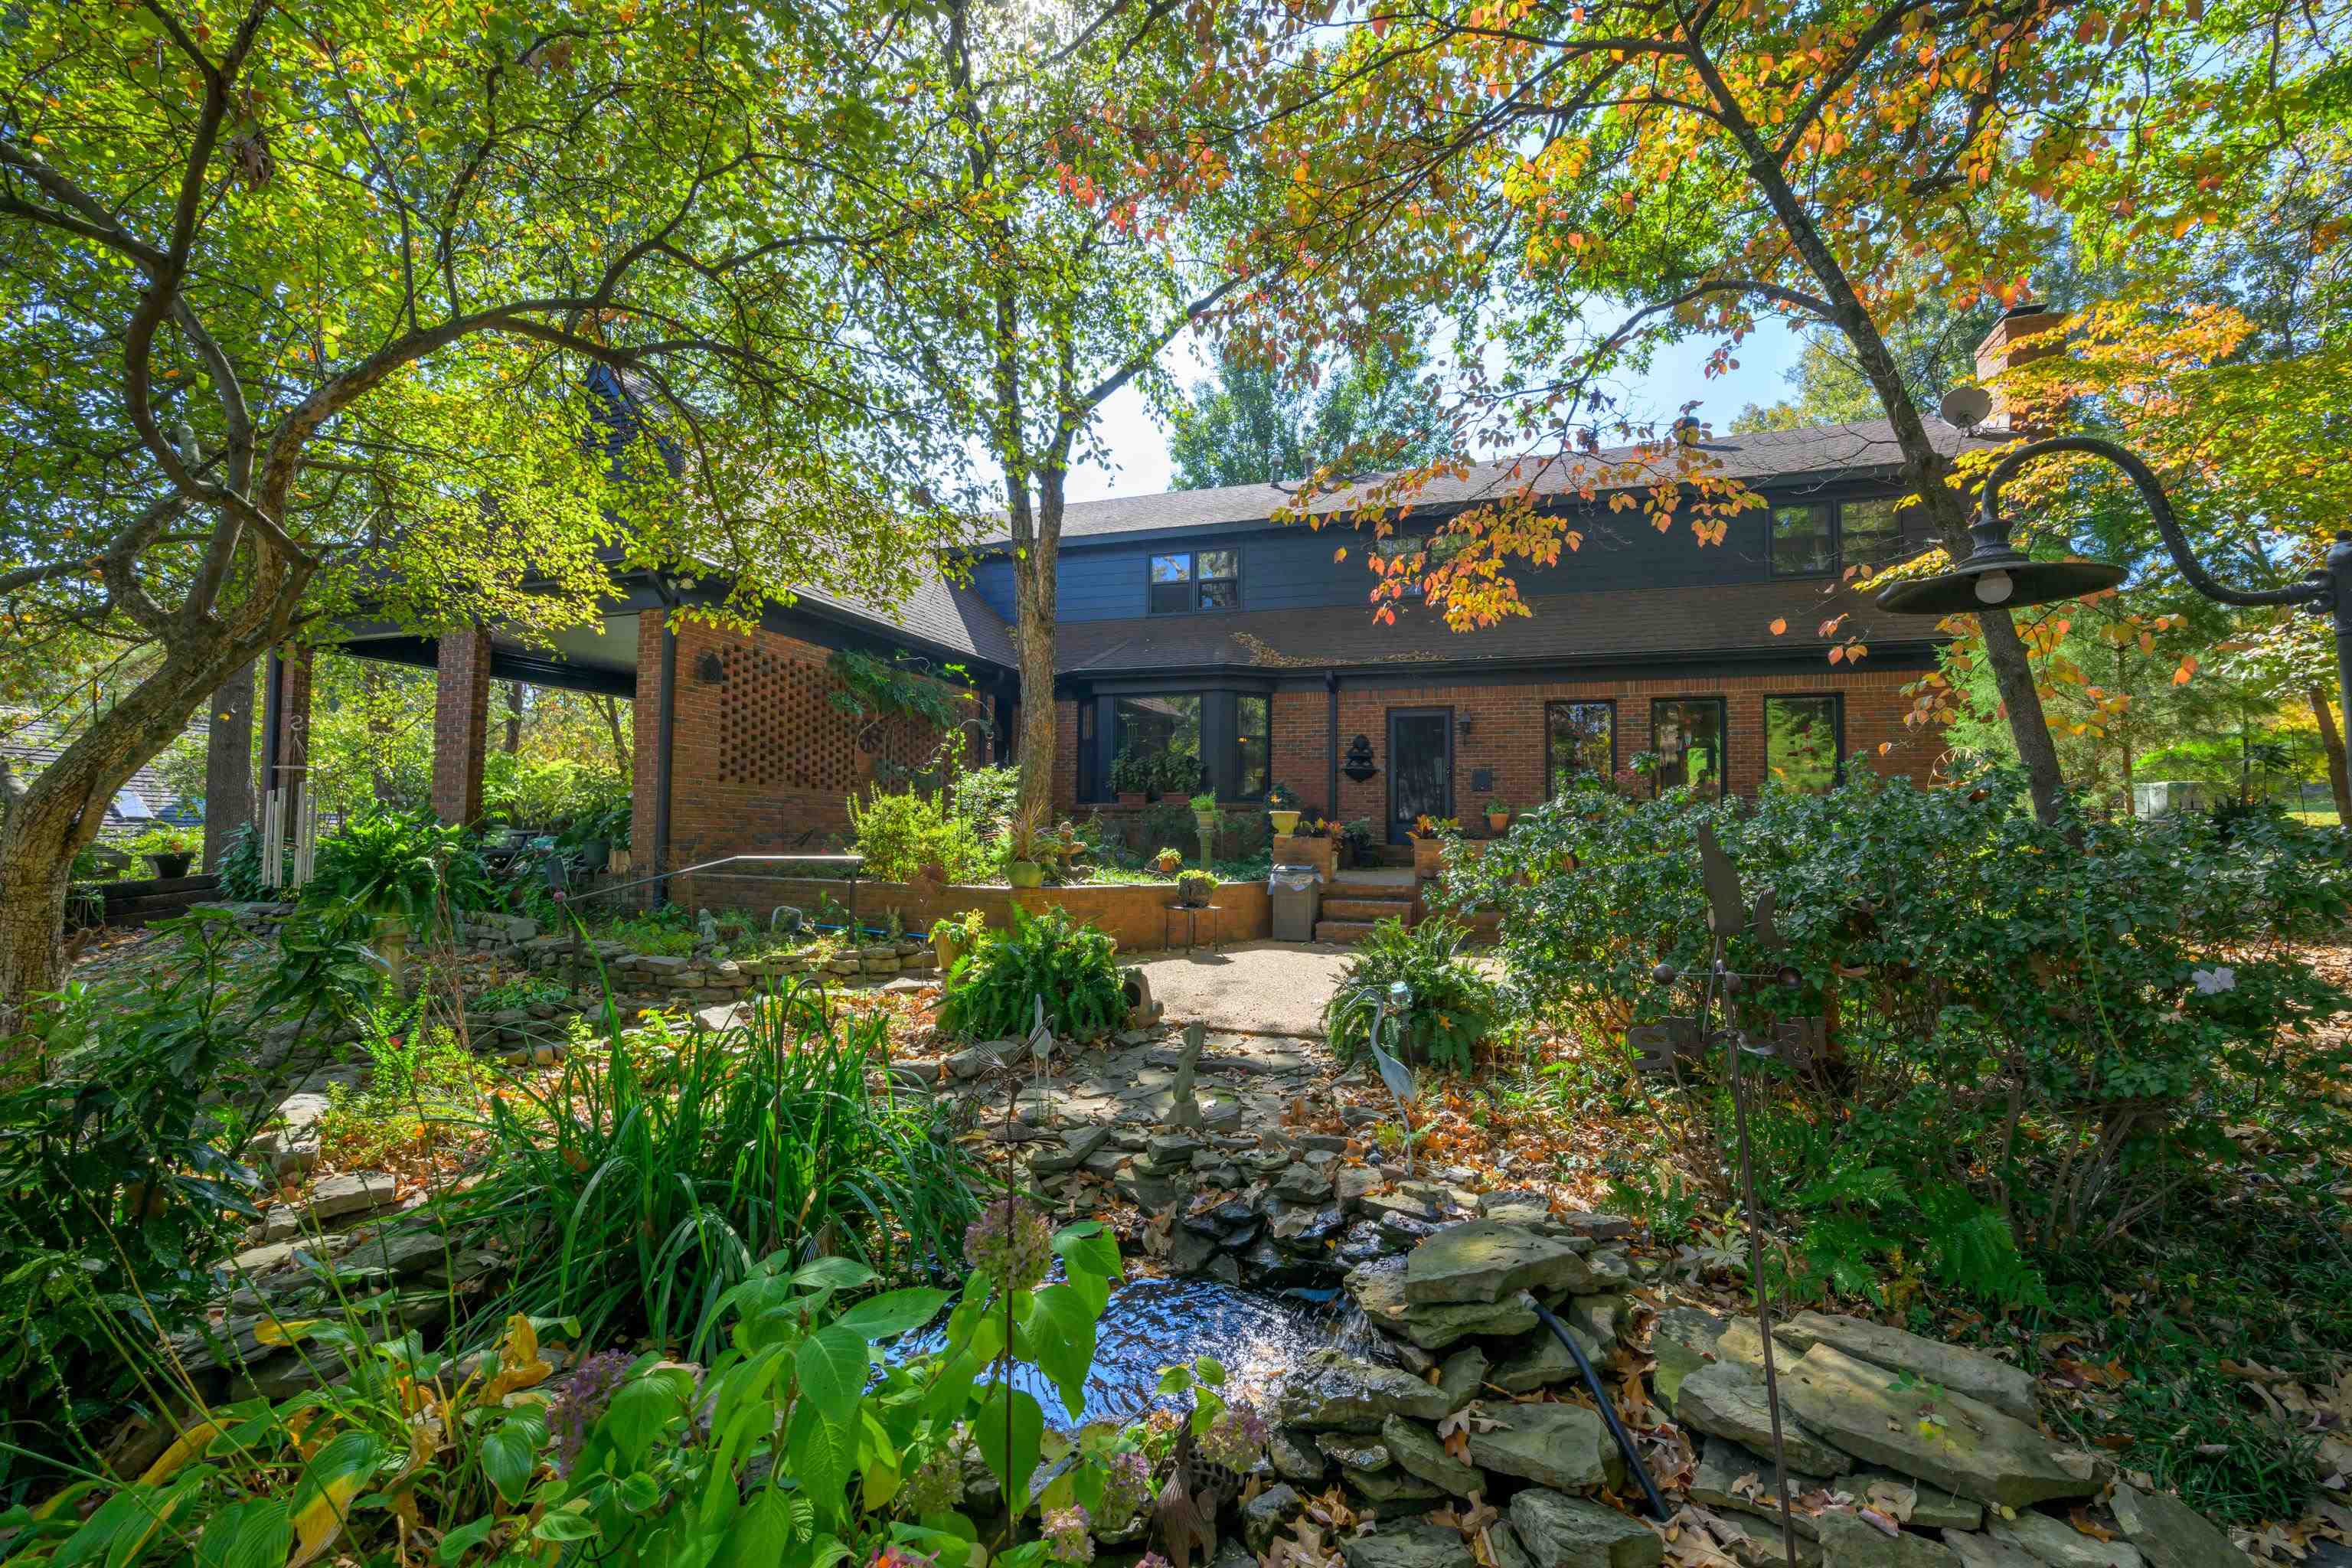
1608, 1409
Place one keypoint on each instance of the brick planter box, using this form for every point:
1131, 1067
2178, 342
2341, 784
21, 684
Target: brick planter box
1135, 914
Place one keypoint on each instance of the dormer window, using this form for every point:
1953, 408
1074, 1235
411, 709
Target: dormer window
1196, 580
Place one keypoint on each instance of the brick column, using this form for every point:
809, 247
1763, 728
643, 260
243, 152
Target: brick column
461, 711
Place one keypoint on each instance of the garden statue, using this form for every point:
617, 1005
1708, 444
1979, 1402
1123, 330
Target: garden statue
1395, 1073
706, 926
1185, 1113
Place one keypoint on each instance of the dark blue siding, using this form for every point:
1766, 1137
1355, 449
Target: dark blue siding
1293, 568
992, 577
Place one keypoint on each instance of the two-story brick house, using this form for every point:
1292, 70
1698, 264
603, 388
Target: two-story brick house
1192, 621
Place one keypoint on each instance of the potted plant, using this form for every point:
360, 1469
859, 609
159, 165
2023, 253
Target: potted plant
1282, 807
1130, 778
169, 850
952, 936
1356, 843
1428, 837
1194, 889
1314, 845
1024, 847
1168, 862
1499, 815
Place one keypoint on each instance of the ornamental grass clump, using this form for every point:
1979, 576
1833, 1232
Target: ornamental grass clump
640, 1187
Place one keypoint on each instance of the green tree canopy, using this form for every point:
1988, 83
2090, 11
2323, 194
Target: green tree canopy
1251, 426
312, 308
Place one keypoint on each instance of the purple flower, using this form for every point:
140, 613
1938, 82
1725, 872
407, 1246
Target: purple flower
1069, 1536
1234, 1438
581, 1403
1127, 1486
1009, 1242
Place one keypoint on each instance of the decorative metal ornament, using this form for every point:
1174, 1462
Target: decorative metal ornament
1729, 914
1398, 1077
1995, 575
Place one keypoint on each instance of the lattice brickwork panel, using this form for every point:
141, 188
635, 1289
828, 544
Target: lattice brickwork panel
776, 727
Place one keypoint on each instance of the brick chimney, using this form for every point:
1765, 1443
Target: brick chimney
2024, 333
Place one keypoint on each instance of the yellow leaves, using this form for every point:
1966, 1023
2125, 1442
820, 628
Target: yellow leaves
283, 1331
520, 1363
323, 1494
190, 1445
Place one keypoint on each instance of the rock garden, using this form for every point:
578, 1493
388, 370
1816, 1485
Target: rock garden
762, 1239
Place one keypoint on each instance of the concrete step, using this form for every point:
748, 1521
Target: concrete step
1365, 908
1345, 932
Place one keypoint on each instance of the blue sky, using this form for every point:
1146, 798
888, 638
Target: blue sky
1138, 446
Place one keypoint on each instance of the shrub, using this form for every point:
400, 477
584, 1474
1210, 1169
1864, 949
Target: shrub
423, 1086
2041, 1032
121, 1167
638, 1187
241, 866
985, 797
901, 833
402, 864
1453, 1005
1075, 968
806, 1439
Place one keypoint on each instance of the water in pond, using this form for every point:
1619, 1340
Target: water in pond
1152, 1324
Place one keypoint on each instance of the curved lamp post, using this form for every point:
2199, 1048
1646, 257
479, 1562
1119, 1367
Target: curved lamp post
1996, 576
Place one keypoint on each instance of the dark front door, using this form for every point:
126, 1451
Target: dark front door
1421, 767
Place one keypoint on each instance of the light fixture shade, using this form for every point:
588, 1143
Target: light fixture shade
2031, 582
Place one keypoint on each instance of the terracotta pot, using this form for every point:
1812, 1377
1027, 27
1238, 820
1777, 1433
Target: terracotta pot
1497, 821
1131, 799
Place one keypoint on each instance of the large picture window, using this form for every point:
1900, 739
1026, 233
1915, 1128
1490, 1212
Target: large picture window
1870, 535
1802, 542
1804, 742
1686, 732
1196, 580
1163, 733
1179, 743
1579, 741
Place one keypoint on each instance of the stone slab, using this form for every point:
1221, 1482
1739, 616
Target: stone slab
1417, 1451
1562, 1531
2058, 1544
2170, 1533
1563, 1446
1950, 1440
1483, 1260
1727, 1400
1409, 1545
1850, 1541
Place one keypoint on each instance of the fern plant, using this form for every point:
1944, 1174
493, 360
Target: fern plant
1073, 968
1453, 1005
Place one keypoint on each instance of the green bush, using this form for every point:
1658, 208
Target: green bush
640, 1187
2041, 1032
121, 1169
901, 833
1453, 1005
407, 865
241, 868
994, 991
806, 1439
985, 797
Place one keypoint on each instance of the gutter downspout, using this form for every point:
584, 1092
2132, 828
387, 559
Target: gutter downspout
1331, 688
667, 729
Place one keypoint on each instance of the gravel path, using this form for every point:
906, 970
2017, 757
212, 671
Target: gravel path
1249, 987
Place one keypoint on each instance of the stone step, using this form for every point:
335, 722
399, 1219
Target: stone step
1361, 908
1345, 932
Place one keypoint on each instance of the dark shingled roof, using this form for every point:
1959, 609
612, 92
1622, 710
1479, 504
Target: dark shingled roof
946, 614
1707, 620
1817, 452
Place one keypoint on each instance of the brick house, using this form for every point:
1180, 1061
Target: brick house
1193, 623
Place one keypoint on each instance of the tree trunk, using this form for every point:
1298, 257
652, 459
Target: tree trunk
1035, 588
2331, 742
63, 810
623, 762
514, 717
229, 801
